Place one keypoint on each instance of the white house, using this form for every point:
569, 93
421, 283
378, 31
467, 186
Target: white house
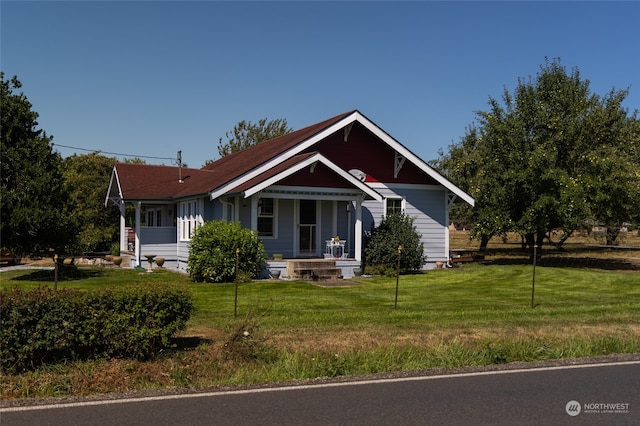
298, 191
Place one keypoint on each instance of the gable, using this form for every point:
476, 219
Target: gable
305, 171
366, 152
345, 142
374, 150
318, 175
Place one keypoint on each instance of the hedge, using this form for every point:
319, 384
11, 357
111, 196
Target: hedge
46, 326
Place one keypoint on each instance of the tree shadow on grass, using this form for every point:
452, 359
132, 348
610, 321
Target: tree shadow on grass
608, 264
65, 273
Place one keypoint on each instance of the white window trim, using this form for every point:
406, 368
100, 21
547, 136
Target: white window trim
275, 221
403, 204
190, 218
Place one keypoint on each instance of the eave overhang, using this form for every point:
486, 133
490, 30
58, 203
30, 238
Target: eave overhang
267, 181
345, 122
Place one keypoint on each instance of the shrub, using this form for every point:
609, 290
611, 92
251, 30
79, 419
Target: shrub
43, 326
381, 246
213, 252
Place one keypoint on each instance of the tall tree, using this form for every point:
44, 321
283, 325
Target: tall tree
612, 169
246, 134
87, 177
529, 161
37, 214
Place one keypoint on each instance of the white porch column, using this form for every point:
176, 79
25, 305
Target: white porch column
123, 227
358, 230
138, 206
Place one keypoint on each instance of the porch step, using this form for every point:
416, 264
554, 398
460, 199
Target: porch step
313, 269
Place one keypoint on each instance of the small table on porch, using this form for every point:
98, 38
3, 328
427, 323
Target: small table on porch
335, 249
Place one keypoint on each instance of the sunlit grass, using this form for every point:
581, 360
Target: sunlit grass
476, 315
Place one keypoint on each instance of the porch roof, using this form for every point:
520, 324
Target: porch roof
299, 163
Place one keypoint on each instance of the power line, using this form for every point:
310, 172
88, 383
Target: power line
114, 153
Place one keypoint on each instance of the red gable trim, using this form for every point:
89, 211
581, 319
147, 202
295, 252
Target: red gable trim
295, 165
282, 148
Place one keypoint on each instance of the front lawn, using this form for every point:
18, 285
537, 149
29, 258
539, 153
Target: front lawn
476, 315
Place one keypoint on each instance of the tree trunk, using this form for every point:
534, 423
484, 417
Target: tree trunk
534, 239
484, 241
612, 235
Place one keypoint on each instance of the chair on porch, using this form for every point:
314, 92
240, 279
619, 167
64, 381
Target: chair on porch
335, 249
131, 239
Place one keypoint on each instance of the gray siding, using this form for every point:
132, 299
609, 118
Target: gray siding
212, 210
158, 235
183, 255
284, 243
427, 206
161, 241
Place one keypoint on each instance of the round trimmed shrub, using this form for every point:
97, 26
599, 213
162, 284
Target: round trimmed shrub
213, 252
381, 246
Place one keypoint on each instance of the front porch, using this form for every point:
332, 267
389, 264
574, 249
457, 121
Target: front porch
313, 268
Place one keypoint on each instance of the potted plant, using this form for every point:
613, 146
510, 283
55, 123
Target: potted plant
115, 253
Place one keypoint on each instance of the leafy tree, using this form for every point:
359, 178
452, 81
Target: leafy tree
37, 213
529, 161
212, 257
87, 177
612, 176
382, 242
246, 134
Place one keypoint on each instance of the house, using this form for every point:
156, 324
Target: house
309, 194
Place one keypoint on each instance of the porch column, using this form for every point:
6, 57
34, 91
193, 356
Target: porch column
358, 230
254, 213
138, 206
123, 226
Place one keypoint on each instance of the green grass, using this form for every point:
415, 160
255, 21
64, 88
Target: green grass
476, 315
498, 295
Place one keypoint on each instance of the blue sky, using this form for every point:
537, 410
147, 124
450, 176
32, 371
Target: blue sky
149, 78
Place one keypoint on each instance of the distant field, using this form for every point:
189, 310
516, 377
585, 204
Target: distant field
578, 251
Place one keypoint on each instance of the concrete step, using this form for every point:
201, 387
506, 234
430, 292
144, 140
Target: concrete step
313, 269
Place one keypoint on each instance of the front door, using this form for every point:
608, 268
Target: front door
307, 221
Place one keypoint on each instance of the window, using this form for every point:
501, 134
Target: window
266, 217
190, 218
154, 217
151, 216
394, 205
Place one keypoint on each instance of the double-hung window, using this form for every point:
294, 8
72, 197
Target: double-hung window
266, 217
190, 218
154, 217
394, 205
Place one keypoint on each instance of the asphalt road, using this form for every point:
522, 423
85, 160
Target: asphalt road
592, 394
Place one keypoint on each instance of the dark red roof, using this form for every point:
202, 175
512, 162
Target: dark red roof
273, 171
151, 182
238, 163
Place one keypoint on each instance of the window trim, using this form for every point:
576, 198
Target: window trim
403, 205
190, 218
273, 216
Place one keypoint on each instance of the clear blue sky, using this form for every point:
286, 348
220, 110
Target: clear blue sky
154, 77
